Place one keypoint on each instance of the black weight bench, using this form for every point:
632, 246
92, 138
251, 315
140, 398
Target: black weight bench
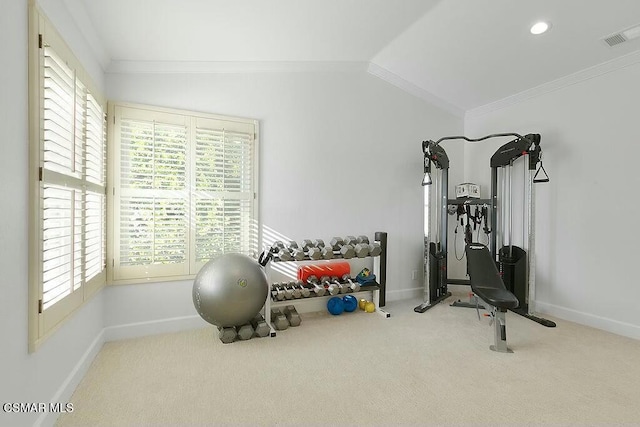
487, 285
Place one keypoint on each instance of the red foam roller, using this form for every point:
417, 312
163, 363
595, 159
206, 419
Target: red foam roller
338, 269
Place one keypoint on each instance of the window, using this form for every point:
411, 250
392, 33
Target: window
68, 203
184, 191
182, 187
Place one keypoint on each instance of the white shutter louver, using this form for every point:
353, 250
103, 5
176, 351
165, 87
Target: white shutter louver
95, 230
152, 231
59, 118
95, 142
184, 191
94, 234
80, 113
154, 201
62, 205
224, 179
58, 235
153, 155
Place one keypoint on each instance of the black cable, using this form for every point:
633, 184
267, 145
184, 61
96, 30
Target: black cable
265, 257
455, 244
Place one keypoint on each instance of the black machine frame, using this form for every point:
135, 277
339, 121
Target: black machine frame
516, 266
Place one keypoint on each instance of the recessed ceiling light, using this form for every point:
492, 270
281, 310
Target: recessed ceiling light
540, 27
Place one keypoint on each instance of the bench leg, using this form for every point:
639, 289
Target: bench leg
500, 331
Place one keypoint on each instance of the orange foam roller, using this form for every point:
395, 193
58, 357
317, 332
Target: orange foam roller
338, 269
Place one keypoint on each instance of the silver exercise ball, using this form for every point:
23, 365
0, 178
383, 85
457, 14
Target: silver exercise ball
230, 290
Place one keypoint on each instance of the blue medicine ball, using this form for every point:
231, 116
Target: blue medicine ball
350, 303
335, 306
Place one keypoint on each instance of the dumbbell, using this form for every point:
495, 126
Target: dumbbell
292, 316
260, 326
277, 293
296, 252
374, 248
279, 320
332, 288
227, 335
315, 286
297, 293
306, 244
347, 251
354, 286
343, 288
313, 252
280, 252
245, 331
326, 251
281, 288
361, 249
304, 291
282, 292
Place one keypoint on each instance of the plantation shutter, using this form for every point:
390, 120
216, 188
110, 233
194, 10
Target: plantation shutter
72, 186
96, 206
224, 189
184, 191
62, 184
153, 196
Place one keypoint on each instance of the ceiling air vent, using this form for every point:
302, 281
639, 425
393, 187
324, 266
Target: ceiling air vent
615, 39
623, 36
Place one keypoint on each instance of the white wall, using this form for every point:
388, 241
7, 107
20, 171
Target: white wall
340, 154
586, 235
41, 376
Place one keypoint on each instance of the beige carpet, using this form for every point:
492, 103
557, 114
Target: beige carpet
358, 368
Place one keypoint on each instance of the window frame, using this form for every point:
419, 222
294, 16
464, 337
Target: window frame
44, 322
113, 148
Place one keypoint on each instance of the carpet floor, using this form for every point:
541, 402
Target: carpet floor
433, 368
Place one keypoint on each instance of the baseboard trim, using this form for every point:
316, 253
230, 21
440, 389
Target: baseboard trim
152, 327
458, 291
69, 385
598, 322
402, 294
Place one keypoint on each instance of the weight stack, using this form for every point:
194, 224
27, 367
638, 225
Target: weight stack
514, 272
437, 273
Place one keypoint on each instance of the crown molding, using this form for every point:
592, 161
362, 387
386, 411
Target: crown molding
554, 85
405, 85
231, 67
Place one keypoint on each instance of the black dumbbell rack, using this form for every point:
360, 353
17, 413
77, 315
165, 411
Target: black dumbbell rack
376, 289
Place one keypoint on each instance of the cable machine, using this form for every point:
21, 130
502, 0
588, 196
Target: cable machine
516, 265
435, 252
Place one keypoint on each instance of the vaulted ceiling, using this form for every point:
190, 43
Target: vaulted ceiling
464, 53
